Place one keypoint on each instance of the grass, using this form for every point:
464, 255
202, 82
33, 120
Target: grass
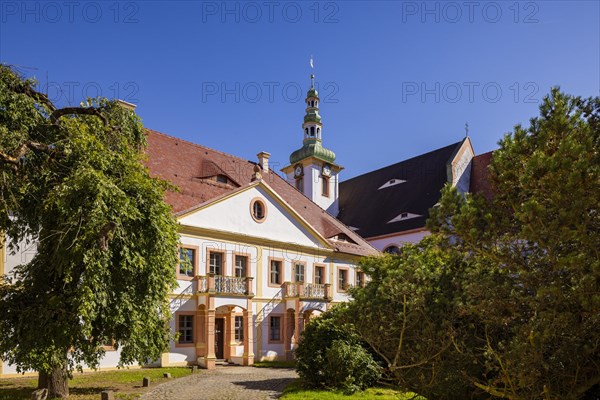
126, 383
296, 391
274, 364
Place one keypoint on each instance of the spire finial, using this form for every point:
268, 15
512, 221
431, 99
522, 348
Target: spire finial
466, 129
312, 74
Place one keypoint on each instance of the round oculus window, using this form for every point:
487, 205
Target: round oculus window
258, 210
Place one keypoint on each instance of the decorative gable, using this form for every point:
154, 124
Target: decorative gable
237, 213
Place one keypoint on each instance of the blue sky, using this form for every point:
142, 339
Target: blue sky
396, 78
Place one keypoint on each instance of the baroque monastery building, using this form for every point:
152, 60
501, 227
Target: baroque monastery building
262, 254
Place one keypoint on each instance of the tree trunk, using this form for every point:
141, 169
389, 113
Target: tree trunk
42, 380
58, 382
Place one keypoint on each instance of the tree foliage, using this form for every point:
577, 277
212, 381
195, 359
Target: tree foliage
535, 247
331, 354
412, 315
503, 299
72, 181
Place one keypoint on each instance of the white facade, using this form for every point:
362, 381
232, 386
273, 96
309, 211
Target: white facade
312, 183
226, 226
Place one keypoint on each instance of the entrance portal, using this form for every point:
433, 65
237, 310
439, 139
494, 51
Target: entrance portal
219, 337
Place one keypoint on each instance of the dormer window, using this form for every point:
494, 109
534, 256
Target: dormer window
404, 216
222, 179
392, 182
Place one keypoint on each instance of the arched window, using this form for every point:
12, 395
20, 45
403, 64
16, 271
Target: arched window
312, 131
393, 249
312, 103
306, 130
318, 132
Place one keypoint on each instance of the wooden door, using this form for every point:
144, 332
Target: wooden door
219, 337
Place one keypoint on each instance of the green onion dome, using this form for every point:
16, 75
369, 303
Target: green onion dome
312, 148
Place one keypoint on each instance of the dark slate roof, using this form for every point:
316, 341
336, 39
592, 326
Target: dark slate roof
480, 175
366, 207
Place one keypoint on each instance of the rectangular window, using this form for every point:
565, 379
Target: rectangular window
239, 328
342, 279
216, 263
187, 259
300, 184
299, 272
240, 266
360, 279
325, 188
186, 329
275, 329
320, 275
275, 272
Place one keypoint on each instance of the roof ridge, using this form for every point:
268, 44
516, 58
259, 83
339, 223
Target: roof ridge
199, 145
323, 211
400, 162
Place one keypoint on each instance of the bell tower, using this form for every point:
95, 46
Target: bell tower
312, 169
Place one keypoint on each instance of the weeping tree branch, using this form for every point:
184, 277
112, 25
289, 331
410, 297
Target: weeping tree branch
22, 150
56, 114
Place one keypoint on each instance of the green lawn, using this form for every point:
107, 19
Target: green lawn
126, 383
295, 391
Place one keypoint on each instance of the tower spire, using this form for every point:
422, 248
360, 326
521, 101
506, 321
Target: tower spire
312, 72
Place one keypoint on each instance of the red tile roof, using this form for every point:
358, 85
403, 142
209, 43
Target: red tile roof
188, 165
480, 175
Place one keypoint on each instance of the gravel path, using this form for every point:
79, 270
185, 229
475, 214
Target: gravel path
224, 383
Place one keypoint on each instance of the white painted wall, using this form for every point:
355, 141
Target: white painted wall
313, 189
398, 240
233, 215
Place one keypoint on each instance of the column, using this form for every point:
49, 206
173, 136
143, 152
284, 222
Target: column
201, 333
248, 358
210, 358
230, 341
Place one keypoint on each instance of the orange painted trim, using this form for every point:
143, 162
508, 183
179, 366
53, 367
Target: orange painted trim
323, 275
281, 272
194, 327
337, 278
326, 179
281, 322
248, 266
209, 251
356, 272
303, 263
196, 250
264, 206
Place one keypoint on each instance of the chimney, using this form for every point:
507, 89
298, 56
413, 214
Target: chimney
126, 105
263, 160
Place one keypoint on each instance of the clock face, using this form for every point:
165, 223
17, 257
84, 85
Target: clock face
298, 170
326, 170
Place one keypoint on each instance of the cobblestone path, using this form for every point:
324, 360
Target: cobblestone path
225, 383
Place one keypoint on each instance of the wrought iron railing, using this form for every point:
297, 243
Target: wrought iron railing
225, 284
230, 284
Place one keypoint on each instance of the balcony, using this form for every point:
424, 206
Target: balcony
307, 291
225, 285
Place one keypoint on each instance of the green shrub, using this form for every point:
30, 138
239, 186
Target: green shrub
331, 356
351, 367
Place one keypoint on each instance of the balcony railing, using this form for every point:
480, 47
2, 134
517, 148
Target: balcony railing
221, 284
313, 291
